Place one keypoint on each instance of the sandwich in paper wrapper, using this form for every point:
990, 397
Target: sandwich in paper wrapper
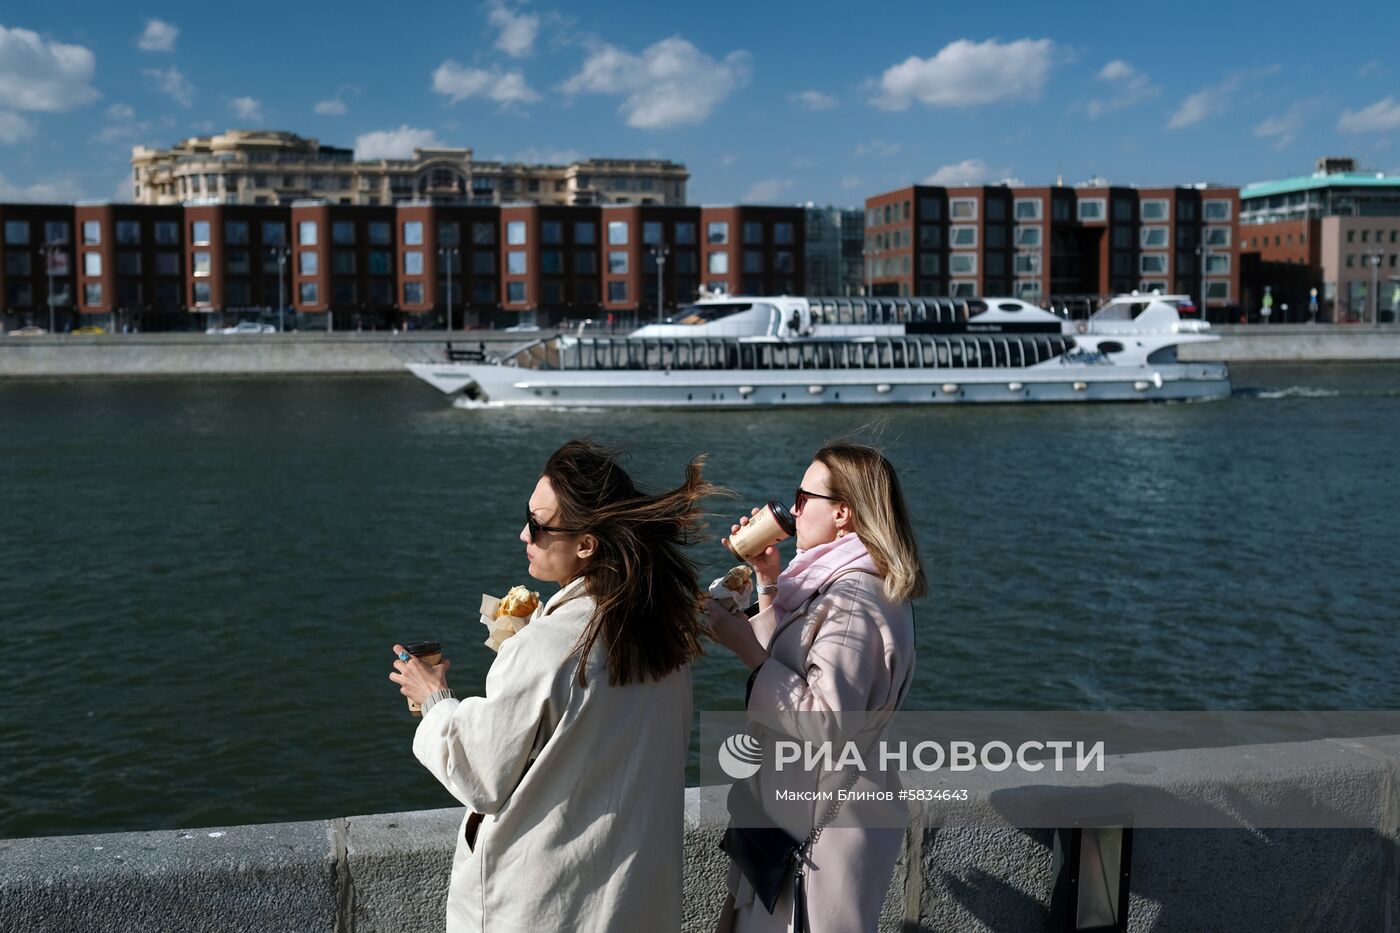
734, 590
505, 616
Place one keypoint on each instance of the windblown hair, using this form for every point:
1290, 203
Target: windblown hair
863, 479
648, 600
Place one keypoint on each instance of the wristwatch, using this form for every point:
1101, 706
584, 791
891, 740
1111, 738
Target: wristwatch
762, 590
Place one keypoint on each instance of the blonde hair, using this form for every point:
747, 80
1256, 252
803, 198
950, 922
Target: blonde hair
863, 479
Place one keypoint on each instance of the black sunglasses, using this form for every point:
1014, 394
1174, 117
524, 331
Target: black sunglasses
802, 495
535, 528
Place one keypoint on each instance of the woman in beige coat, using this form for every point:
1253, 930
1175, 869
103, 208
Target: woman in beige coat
572, 764
835, 633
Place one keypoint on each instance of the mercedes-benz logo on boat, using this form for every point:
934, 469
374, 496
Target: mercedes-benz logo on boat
741, 756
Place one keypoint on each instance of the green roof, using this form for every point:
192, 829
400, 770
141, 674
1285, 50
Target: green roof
1264, 189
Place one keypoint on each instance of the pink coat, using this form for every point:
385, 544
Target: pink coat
849, 649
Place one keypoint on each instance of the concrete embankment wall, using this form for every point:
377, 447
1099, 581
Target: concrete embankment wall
125, 355
389, 872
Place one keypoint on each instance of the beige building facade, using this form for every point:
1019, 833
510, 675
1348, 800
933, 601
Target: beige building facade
265, 167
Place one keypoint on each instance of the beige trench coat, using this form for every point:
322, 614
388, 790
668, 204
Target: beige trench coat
583, 788
849, 649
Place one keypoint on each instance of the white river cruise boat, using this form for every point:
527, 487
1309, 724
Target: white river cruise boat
738, 352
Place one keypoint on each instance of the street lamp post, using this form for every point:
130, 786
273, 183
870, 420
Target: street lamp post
659, 253
1374, 256
448, 254
49, 251
281, 252
1202, 252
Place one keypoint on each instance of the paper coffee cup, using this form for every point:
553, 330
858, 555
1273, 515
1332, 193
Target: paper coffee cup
771, 524
430, 653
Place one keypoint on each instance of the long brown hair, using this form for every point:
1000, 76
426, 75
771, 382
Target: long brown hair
648, 601
863, 479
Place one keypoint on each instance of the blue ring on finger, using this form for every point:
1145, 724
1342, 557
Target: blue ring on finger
403, 655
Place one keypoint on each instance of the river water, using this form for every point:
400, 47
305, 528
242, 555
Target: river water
200, 580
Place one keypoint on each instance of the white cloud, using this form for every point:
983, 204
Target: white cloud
766, 191
878, 147
812, 100
518, 30
173, 84
457, 83
966, 74
40, 75
120, 111
246, 108
968, 172
123, 126
849, 182
158, 36
334, 107
1213, 100
1130, 87
671, 83
14, 128
1372, 69
1284, 128
59, 190
1381, 117
394, 144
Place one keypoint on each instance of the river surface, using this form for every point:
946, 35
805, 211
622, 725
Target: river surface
200, 580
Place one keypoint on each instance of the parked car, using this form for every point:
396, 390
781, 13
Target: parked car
244, 327
28, 331
90, 329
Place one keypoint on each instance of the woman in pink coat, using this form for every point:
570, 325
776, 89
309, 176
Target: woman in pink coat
834, 633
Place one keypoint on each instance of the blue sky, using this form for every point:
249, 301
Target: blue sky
764, 102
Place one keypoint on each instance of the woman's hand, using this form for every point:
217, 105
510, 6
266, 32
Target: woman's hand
733, 631
766, 566
417, 680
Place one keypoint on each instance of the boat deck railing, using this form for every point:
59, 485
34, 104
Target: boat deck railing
908, 352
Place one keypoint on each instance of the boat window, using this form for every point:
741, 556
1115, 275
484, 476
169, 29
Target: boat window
703, 314
897, 354
1110, 346
1008, 306
976, 307
860, 311
1002, 355
1020, 353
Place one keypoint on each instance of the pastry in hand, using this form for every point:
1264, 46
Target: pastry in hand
519, 602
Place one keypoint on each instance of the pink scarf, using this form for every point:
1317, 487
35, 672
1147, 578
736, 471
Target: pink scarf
811, 569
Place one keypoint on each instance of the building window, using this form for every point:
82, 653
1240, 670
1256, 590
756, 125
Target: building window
718, 263
685, 234
306, 233
1155, 237
996, 236
128, 262
962, 208
930, 209
310, 293
380, 233
783, 262
1092, 209
17, 263
516, 262
199, 232
1026, 264
930, 236
586, 293
92, 294
413, 293
617, 232
552, 262
930, 264
1122, 210
306, 263
783, 233
962, 263
1216, 210
202, 262
483, 292
380, 262
1027, 237
753, 260
1152, 264
236, 233
55, 231
484, 263
92, 263
1217, 236
617, 291
1028, 209
515, 233
753, 232
1218, 264
484, 234
551, 232
515, 292
92, 234
964, 289
128, 232
1218, 291
343, 232
617, 263
996, 209
167, 263
585, 233
653, 233
963, 235
167, 233
413, 262
717, 232
274, 233
1154, 209
585, 262
1028, 290
201, 293
343, 262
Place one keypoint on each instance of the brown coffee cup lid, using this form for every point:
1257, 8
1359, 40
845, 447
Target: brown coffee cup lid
420, 648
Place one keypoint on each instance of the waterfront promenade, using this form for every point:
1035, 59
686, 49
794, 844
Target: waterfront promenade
351, 353
389, 872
